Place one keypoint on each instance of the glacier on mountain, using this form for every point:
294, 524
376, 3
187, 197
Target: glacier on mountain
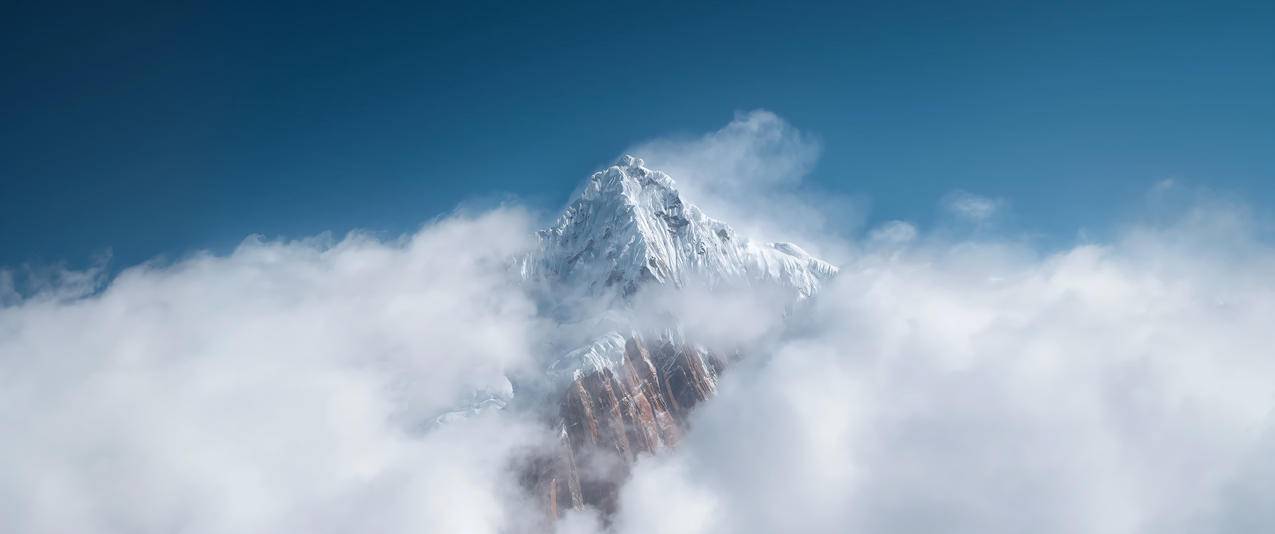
605, 352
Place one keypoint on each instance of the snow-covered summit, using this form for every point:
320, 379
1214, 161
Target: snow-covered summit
629, 226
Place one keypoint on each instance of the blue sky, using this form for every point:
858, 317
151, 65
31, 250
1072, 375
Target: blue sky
150, 131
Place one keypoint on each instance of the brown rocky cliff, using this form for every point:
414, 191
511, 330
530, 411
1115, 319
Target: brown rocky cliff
609, 417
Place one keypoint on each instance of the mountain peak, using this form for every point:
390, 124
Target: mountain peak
629, 161
629, 226
628, 181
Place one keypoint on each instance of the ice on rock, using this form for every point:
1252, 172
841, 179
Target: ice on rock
605, 352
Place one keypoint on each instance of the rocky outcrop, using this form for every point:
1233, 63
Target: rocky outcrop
610, 416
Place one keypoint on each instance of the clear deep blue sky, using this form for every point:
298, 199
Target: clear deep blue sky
155, 130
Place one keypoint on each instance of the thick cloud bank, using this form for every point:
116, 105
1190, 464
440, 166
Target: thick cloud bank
286, 387
976, 387
937, 385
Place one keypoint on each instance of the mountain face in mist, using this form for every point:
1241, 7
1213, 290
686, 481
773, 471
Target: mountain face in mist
610, 416
630, 391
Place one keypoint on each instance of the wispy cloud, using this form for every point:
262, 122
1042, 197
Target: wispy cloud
971, 207
752, 174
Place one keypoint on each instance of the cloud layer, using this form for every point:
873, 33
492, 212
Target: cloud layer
978, 387
282, 388
973, 385
978, 384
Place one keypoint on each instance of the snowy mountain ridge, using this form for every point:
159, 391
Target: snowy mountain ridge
629, 226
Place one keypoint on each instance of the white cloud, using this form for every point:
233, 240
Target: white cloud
757, 149
892, 233
286, 387
750, 174
662, 497
8, 293
1120, 387
963, 387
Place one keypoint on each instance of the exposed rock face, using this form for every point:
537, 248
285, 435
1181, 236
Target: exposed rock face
611, 415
